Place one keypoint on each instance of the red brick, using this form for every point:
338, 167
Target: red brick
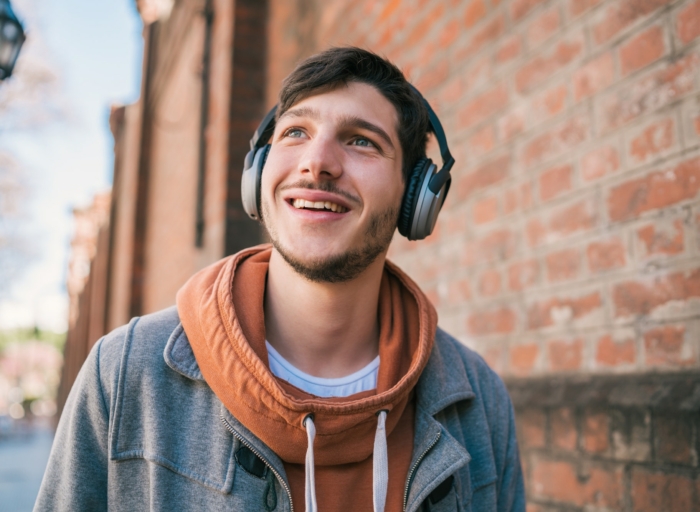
560, 481
606, 255
498, 245
519, 8
427, 22
565, 355
662, 238
541, 314
621, 14
650, 92
673, 439
486, 210
486, 32
523, 358
483, 106
511, 124
577, 7
642, 50
543, 26
656, 190
459, 291
614, 353
544, 65
666, 345
497, 321
388, 10
509, 49
570, 219
532, 428
434, 76
535, 231
653, 140
563, 426
594, 76
562, 265
490, 283
595, 433
599, 162
484, 176
522, 274
655, 491
449, 34
558, 140
481, 142
475, 10
550, 103
555, 181
642, 297
688, 22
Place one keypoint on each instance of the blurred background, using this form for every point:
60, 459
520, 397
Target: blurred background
567, 254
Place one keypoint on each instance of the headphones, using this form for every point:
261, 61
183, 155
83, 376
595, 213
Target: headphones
426, 187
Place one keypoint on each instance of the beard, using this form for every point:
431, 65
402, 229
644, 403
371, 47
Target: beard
346, 266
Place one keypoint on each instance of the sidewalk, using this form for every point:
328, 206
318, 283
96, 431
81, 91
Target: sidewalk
23, 458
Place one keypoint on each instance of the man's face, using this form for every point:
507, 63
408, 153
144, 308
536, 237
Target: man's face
332, 184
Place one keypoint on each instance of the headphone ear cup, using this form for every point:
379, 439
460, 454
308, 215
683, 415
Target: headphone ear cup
250, 180
410, 196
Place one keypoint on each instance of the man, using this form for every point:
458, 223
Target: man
308, 375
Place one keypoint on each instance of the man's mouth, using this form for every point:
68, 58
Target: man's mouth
303, 204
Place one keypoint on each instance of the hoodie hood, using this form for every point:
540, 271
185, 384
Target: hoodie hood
221, 309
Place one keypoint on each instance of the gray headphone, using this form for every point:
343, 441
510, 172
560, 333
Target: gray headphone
426, 188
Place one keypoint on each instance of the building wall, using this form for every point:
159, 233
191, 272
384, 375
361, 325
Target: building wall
567, 253
569, 242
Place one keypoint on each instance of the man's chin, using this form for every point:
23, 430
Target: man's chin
329, 267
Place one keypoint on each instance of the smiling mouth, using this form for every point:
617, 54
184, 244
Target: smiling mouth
303, 204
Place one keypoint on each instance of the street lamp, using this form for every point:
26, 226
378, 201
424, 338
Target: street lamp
11, 39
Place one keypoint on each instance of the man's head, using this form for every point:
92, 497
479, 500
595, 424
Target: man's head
349, 128
338, 67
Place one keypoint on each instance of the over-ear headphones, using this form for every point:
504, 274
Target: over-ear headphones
426, 188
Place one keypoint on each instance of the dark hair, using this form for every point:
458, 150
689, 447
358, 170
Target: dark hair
335, 67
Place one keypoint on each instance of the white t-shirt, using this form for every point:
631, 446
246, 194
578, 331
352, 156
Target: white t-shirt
364, 379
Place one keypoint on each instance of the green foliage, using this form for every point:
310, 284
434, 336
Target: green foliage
56, 339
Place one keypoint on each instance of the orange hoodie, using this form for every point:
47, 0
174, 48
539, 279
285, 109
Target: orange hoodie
221, 309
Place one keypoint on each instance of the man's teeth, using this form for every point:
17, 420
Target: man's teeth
318, 205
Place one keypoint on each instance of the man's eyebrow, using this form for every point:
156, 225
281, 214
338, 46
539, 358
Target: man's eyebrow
309, 112
358, 122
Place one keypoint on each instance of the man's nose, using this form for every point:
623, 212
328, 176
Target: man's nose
322, 158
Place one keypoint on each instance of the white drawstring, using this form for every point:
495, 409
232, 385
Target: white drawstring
380, 470
310, 486
380, 467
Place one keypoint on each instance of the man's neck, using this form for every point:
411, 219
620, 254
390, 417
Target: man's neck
325, 329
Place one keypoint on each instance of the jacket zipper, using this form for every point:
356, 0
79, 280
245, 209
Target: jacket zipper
252, 449
415, 466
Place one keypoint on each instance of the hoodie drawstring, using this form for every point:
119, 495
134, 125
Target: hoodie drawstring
380, 469
310, 485
380, 465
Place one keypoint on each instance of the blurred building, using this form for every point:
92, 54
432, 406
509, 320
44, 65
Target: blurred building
568, 252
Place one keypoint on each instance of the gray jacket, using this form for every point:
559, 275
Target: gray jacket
142, 430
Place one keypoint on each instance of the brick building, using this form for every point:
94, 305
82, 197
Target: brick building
568, 253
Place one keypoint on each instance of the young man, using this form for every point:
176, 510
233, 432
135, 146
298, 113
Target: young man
309, 374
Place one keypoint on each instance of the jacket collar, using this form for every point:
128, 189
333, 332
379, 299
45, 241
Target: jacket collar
439, 386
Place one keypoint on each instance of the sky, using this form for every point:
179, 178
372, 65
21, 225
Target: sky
94, 48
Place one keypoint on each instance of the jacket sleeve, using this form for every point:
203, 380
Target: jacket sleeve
76, 475
511, 496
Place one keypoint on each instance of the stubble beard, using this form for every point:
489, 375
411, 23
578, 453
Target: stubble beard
346, 266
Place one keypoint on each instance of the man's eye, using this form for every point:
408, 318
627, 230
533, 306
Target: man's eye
361, 141
294, 133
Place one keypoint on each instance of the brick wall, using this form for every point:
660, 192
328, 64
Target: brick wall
610, 443
570, 241
568, 253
